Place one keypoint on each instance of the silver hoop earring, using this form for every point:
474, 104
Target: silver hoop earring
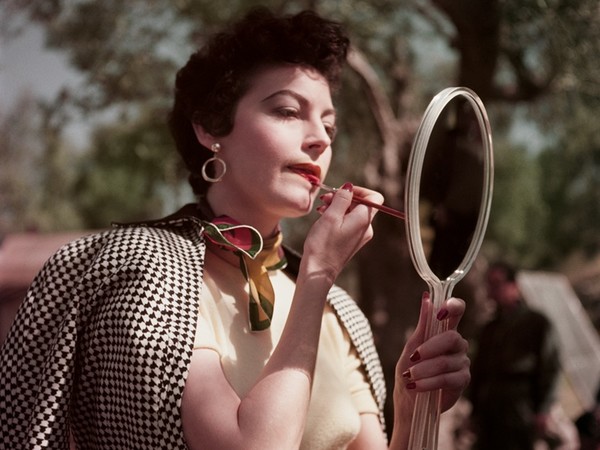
215, 148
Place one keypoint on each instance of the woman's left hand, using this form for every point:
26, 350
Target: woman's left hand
440, 362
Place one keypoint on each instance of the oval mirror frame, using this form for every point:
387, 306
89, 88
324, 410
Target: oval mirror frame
413, 184
426, 414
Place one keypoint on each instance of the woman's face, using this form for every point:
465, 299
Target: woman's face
283, 129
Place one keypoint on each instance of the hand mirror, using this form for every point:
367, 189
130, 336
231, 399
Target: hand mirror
448, 198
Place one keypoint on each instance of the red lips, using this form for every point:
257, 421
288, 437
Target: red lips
309, 172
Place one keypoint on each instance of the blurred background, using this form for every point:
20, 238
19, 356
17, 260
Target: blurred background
85, 87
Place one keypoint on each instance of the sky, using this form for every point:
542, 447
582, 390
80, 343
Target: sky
26, 66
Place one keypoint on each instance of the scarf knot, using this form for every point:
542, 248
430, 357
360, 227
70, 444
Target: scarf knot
257, 257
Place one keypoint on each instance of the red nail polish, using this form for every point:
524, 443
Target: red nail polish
411, 386
406, 374
348, 186
415, 356
442, 314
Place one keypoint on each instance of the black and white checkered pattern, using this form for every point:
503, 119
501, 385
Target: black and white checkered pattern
102, 343
361, 335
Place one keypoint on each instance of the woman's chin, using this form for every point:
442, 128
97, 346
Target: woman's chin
302, 208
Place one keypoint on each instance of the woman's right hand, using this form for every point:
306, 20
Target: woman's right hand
343, 228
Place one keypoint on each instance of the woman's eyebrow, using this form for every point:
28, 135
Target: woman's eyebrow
300, 98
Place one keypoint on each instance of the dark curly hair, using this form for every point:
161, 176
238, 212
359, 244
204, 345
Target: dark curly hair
209, 86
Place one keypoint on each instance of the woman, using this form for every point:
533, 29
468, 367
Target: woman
168, 335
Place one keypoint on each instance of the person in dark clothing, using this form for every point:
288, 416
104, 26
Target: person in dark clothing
515, 369
588, 426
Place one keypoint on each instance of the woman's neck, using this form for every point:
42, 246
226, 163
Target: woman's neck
267, 225
225, 256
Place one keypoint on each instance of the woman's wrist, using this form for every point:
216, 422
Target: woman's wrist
403, 412
317, 272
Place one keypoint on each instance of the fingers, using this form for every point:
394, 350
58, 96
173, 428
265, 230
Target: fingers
346, 216
343, 229
454, 381
440, 362
443, 354
432, 370
424, 313
357, 193
340, 201
448, 342
452, 311
418, 336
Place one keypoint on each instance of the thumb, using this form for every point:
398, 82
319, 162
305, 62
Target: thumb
342, 199
418, 336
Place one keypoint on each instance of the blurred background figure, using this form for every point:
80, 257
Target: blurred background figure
515, 371
588, 426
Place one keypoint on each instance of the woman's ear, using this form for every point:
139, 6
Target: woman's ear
205, 138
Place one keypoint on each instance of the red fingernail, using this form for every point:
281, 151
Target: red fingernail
415, 356
348, 186
411, 386
442, 314
406, 374
321, 197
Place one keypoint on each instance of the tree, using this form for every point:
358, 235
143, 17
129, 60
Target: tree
132, 158
18, 159
35, 169
571, 188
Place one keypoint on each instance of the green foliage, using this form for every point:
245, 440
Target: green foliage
571, 186
518, 214
552, 44
37, 170
124, 176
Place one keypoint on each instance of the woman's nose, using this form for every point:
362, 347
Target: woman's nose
317, 139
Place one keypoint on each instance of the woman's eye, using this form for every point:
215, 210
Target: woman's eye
287, 112
331, 131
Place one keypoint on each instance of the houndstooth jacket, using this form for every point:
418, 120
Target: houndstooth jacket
102, 344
